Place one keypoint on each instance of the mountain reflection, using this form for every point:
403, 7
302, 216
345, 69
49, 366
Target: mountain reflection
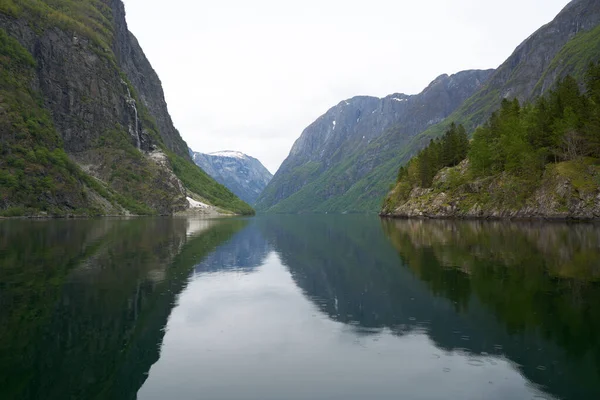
527, 292
245, 251
539, 281
83, 303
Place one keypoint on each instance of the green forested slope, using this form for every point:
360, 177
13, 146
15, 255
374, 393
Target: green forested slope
542, 158
565, 46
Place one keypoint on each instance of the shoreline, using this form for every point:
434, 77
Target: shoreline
80, 217
569, 219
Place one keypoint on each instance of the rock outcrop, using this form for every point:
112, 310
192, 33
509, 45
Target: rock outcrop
567, 191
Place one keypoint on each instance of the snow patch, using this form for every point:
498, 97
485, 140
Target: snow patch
229, 154
196, 204
397, 99
334, 124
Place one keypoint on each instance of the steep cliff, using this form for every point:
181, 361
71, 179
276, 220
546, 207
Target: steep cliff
245, 176
341, 147
85, 127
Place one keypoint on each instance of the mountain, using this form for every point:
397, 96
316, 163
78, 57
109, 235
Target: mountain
338, 150
539, 160
84, 126
564, 46
245, 176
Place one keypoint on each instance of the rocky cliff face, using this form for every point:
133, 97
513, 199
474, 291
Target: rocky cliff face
144, 79
338, 149
245, 176
108, 109
533, 67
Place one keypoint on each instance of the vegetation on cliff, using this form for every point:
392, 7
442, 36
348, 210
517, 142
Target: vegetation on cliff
89, 18
35, 172
554, 140
76, 138
565, 46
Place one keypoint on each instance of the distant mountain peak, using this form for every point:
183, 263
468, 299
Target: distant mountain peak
245, 176
229, 154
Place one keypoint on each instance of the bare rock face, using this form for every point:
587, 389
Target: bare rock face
133, 62
529, 71
245, 176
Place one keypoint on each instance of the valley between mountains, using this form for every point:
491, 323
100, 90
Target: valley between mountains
85, 130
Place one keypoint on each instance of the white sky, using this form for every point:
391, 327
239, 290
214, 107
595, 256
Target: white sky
251, 75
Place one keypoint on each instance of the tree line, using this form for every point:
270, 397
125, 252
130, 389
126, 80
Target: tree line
519, 139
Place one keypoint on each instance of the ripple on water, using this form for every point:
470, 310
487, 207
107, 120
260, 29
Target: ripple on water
475, 362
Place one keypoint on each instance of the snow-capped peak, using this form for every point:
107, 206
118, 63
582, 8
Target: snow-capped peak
229, 154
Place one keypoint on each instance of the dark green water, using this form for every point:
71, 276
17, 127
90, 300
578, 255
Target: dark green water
330, 307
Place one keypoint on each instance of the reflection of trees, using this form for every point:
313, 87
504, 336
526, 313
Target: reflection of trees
531, 275
450, 283
84, 302
540, 281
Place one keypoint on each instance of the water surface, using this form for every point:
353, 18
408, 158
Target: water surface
296, 307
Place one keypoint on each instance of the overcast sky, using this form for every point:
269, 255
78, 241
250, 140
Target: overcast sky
251, 75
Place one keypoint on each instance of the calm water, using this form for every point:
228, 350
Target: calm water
300, 307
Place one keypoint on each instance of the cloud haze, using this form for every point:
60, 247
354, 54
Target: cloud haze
250, 76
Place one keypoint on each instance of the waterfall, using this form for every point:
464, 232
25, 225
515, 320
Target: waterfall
131, 102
